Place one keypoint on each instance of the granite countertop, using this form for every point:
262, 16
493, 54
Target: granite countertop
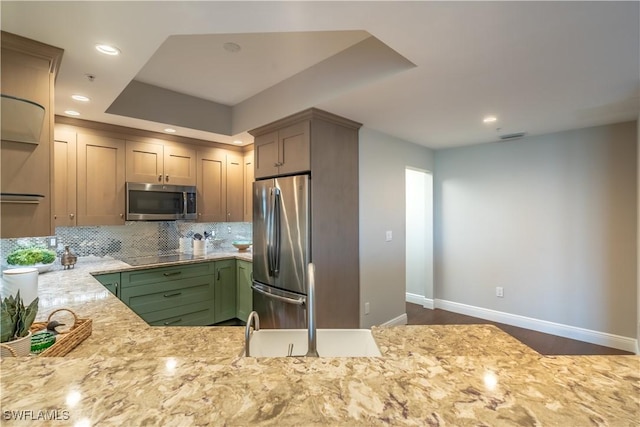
128, 373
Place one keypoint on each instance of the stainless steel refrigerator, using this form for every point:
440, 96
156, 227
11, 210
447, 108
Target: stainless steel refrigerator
281, 250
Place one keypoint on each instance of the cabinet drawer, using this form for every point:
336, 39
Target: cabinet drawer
161, 296
197, 314
165, 274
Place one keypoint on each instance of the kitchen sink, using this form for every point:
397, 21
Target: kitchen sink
330, 343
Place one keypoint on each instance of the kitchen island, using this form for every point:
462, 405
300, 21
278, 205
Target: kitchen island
128, 373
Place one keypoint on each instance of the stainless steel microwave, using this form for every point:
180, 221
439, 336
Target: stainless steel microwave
157, 202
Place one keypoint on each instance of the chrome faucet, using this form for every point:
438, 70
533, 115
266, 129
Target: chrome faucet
312, 350
253, 316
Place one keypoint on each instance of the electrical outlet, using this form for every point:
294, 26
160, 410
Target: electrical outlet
53, 242
366, 308
499, 292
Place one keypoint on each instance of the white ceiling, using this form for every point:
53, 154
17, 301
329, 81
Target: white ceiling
538, 66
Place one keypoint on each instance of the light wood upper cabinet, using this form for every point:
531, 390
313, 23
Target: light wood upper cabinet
248, 186
64, 179
220, 185
158, 163
235, 187
283, 152
28, 71
211, 184
101, 179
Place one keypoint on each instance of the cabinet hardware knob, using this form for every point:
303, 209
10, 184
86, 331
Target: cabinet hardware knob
71, 216
199, 213
159, 178
121, 215
55, 217
167, 178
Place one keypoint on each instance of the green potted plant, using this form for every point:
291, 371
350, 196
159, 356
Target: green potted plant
38, 257
15, 321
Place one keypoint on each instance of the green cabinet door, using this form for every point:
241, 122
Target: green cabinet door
111, 281
244, 293
225, 290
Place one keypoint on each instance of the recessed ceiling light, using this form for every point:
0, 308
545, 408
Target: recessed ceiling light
71, 113
237, 141
80, 98
231, 47
170, 130
107, 49
489, 119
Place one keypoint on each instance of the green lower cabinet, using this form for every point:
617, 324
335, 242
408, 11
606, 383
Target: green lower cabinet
244, 303
111, 281
225, 290
191, 295
165, 298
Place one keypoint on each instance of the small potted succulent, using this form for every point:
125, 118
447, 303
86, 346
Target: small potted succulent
15, 321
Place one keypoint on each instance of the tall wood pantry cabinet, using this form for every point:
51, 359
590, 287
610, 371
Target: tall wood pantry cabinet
325, 146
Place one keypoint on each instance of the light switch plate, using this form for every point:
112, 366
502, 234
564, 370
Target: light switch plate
389, 235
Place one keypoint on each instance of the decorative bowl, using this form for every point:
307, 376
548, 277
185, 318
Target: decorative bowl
241, 245
42, 268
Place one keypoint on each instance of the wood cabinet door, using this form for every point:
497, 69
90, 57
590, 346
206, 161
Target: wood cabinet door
294, 145
101, 178
64, 179
144, 162
225, 290
179, 165
235, 187
266, 155
248, 187
211, 184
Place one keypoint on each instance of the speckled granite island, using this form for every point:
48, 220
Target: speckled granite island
128, 373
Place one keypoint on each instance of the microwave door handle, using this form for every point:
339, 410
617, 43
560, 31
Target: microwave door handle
185, 195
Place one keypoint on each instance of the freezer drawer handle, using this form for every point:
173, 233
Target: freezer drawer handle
296, 301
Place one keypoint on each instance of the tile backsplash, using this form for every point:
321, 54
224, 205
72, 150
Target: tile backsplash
134, 239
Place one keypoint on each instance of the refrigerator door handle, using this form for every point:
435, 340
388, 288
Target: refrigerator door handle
278, 231
270, 232
295, 301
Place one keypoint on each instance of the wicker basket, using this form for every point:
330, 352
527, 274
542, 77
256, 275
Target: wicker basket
65, 341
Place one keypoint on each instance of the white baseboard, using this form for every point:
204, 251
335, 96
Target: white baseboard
397, 321
573, 332
420, 300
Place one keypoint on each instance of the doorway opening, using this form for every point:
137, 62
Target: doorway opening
419, 237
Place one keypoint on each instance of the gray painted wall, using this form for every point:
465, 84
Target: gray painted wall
551, 218
383, 159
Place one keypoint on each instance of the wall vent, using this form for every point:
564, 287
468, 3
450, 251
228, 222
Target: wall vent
510, 136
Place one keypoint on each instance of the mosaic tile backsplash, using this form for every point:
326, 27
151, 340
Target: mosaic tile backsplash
134, 239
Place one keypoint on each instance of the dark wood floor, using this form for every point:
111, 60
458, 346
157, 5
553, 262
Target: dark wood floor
542, 343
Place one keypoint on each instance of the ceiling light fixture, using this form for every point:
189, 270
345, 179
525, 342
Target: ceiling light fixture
232, 47
170, 130
237, 141
107, 49
80, 98
71, 113
489, 119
